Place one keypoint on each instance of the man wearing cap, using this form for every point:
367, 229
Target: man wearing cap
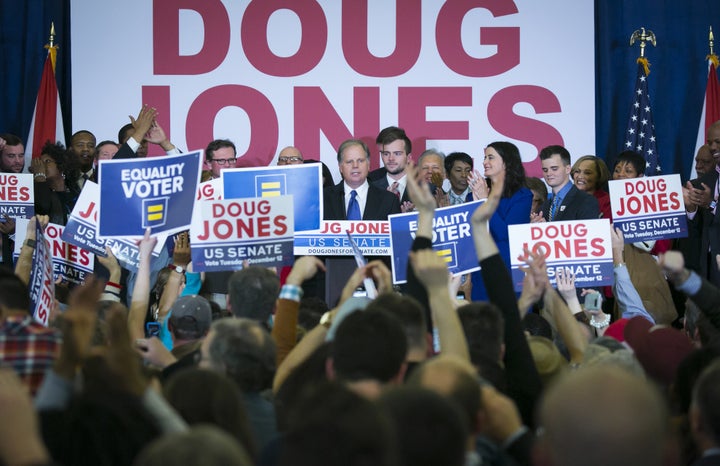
189, 323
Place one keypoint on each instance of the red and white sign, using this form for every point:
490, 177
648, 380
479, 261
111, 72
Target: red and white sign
581, 246
455, 74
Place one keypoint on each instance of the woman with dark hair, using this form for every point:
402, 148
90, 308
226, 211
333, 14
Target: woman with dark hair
56, 173
590, 174
205, 397
502, 158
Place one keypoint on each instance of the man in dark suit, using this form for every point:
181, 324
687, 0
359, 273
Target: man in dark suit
395, 148
566, 201
373, 203
701, 202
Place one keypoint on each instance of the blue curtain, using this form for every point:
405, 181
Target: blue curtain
676, 82
678, 73
24, 30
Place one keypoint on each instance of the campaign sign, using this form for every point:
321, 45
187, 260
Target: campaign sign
452, 239
581, 247
81, 230
231, 231
16, 195
42, 282
371, 237
70, 262
303, 182
210, 190
649, 208
156, 193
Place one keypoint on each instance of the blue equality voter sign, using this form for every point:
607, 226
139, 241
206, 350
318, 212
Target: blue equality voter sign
227, 232
156, 193
372, 237
649, 208
452, 239
16, 196
581, 247
303, 182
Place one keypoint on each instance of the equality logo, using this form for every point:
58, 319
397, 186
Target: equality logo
270, 185
448, 252
154, 212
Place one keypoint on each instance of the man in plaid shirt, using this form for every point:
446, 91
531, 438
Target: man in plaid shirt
25, 345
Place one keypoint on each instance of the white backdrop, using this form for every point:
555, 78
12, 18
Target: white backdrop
272, 73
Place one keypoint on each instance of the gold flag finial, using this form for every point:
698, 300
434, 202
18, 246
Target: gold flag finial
643, 36
711, 41
712, 57
52, 48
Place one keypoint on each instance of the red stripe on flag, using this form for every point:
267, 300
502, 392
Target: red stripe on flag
45, 110
712, 99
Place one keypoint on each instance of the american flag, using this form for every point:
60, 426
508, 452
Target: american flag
640, 134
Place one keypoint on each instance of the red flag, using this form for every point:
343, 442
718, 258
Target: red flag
47, 122
711, 107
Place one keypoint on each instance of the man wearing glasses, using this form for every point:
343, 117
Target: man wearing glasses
290, 156
220, 154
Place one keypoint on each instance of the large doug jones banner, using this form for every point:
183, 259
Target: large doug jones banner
156, 193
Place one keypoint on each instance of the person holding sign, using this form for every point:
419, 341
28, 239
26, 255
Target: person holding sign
645, 274
566, 201
590, 174
502, 159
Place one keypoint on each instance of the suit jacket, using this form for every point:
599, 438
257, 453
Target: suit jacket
380, 203
378, 173
707, 224
576, 205
382, 183
124, 152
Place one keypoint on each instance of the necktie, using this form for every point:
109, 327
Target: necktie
353, 210
553, 206
393, 188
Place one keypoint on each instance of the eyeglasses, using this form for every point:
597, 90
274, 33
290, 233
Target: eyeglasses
290, 159
222, 162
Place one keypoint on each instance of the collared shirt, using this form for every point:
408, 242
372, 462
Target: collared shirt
560, 198
402, 184
456, 199
84, 177
29, 348
361, 197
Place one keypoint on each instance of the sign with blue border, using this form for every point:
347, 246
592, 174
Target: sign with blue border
156, 193
303, 182
649, 208
581, 247
452, 239
229, 231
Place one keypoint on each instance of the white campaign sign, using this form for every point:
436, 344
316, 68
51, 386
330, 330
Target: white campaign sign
455, 75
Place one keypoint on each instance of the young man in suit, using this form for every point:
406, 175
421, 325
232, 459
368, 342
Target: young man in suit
395, 148
368, 201
566, 201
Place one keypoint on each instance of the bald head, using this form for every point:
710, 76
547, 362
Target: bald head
603, 415
704, 161
290, 156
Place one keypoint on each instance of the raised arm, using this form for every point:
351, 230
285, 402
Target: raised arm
141, 293
523, 380
284, 331
24, 263
424, 201
432, 272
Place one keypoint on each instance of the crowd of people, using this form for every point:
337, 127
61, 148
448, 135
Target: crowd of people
257, 366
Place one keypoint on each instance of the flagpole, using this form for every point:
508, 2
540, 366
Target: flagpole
640, 133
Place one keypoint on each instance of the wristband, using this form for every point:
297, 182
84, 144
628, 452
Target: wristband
30, 243
114, 285
38, 175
